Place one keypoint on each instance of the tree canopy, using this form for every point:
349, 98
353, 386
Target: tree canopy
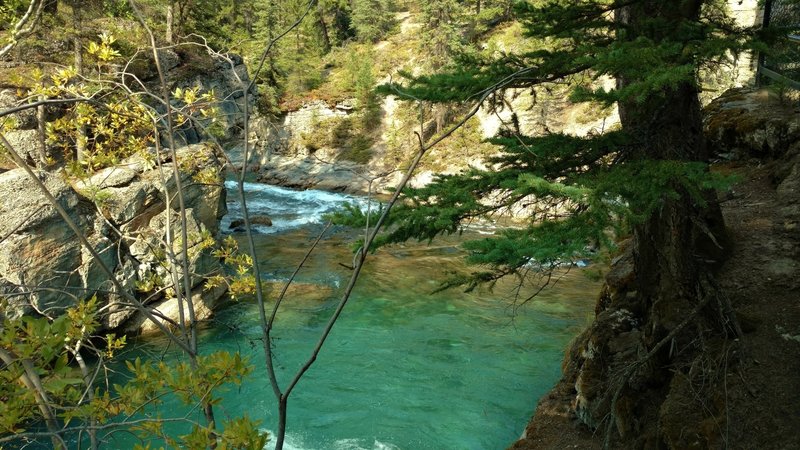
577, 188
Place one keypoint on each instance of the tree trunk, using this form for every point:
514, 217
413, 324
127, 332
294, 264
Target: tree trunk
77, 44
170, 33
659, 307
323, 30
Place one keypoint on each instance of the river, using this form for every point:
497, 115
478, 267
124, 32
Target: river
403, 368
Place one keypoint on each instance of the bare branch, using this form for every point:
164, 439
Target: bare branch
25, 26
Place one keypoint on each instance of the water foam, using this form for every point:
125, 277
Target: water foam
294, 442
287, 208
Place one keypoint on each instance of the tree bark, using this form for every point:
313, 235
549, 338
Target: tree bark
170, 33
77, 44
323, 30
672, 254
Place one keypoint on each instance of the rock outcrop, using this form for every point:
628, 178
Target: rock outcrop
749, 123
307, 147
290, 155
746, 123
40, 258
126, 212
189, 68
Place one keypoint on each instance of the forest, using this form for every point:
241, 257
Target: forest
291, 223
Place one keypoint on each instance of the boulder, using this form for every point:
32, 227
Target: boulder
206, 197
309, 172
744, 123
220, 75
123, 213
39, 253
118, 309
25, 119
148, 246
238, 224
26, 143
168, 311
115, 176
119, 193
144, 66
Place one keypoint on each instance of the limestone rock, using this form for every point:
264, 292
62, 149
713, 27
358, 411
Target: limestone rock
27, 144
123, 213
39, 249
119, 193
119, 310
308, 172
206, 198
144, 66
148, 246
110, 177
226, 77
203, 301
124, 204
26, 119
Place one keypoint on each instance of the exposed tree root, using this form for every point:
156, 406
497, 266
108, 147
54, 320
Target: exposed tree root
708, 291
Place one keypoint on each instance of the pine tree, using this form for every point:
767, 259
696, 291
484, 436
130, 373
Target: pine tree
648, 179
442, 36
372, 18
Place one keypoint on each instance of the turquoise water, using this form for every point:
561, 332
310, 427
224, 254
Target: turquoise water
403, 368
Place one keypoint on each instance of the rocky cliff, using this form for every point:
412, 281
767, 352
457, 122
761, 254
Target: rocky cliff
123, 211
188, 67
309, 147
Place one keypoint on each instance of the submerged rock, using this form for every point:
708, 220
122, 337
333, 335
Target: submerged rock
238, 224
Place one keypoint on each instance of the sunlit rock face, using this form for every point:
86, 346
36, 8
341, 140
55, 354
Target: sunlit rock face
124, 211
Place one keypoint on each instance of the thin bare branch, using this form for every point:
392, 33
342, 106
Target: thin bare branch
24, 26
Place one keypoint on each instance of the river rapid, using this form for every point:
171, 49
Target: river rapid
403, 368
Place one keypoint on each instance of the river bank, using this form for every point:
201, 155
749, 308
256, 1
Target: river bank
745, 395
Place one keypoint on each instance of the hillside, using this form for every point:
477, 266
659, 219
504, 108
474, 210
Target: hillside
339, 137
